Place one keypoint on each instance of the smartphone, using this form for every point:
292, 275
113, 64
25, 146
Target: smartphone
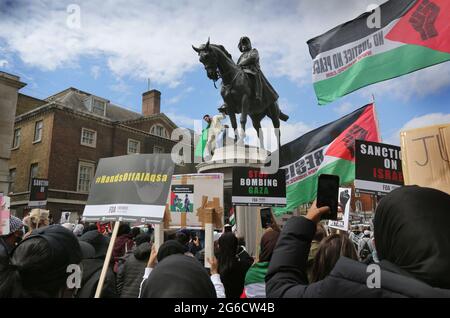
266, 218
327, 195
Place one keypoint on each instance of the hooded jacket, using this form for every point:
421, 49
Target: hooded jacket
92, 268
131, 272
405, 269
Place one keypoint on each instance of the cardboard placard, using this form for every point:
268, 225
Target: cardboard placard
425, 154
202, 191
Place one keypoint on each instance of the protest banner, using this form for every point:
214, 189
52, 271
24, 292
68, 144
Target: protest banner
251, 187
131, 188
425, 154
378, 167
341, 223
38, 193
190, 194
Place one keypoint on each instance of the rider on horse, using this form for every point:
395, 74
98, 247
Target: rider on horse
249, 62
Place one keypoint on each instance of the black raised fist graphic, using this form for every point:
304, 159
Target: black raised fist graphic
423, 19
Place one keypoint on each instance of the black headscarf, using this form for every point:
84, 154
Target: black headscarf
412, 231
268, 242
178, 276
41, 259
168, 248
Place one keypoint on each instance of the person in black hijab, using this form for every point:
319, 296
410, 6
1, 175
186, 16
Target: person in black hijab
412, 239
38, 265
412, 231
170, 248
178, 276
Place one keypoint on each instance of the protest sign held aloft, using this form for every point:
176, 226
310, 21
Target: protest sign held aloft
190, 194
425, 153
132, 188
255, 188
38, 192
343, 210
378, 167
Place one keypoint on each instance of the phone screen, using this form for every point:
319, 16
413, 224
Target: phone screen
327, 195
266, 218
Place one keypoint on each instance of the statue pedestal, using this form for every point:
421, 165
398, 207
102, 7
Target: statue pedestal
223, 161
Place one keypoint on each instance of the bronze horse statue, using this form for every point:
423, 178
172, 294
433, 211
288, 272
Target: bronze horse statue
237, 91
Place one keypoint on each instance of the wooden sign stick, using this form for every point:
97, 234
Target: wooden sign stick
101, 281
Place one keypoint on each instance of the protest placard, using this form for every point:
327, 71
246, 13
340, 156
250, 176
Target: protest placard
190, 194
130, 188
425, 153
251, 187
378, 167
38, 193
344, 197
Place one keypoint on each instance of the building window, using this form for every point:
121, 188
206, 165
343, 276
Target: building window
159, 130
98, 107
16, 139
33, 173
133, 146
12, 180
157, 149
88, 137
85, 176
38, 131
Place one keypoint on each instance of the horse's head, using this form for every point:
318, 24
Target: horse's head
209, 59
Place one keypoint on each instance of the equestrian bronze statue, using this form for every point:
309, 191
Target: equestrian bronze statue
244, 89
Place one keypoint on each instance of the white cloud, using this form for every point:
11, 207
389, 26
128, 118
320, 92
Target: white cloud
3, 63
344, 108
289, 132
183, 120
152, 39
121, 87
177, 98
421, 121
95, 71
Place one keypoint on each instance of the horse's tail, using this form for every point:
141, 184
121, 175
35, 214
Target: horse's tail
283, 116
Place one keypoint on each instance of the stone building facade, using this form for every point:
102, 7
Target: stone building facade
63, 137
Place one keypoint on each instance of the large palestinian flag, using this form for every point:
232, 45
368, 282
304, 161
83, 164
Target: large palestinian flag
328, 149
413, 34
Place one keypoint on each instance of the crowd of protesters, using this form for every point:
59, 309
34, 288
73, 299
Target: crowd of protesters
409, 243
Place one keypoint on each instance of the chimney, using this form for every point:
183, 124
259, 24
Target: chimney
151, 102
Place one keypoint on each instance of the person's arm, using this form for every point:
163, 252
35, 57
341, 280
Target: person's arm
287, 273
215, 278
150, 265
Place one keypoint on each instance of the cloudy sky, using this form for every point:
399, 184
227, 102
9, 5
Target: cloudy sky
111, 48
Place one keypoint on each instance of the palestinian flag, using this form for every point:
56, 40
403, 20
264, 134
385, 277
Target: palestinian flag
255, 285
328, 149
413, 34
201, 144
